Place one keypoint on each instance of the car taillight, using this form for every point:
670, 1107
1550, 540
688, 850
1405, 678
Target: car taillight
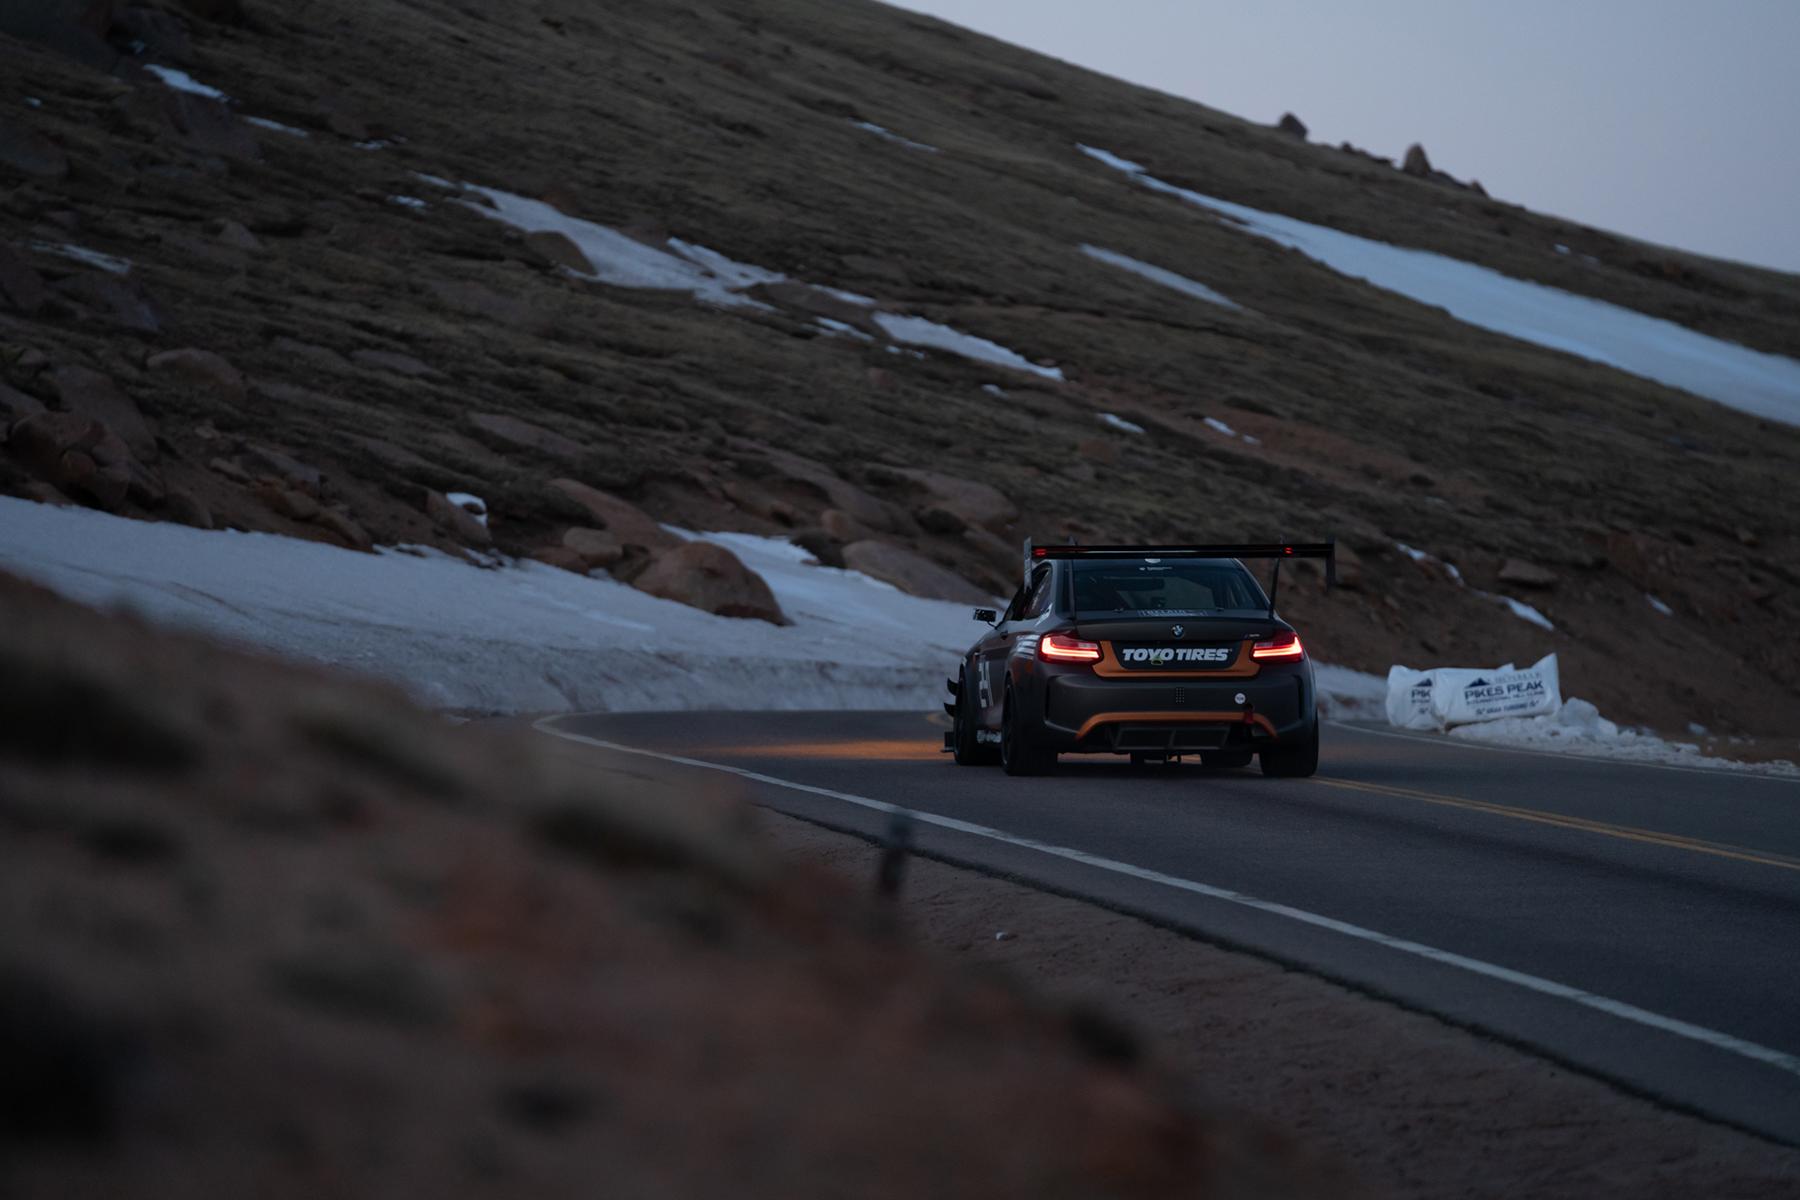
1060, 647
1282, 645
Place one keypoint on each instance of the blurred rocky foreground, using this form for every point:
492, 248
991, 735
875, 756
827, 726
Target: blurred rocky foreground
270, 932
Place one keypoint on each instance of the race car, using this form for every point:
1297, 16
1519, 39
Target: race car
1149, 651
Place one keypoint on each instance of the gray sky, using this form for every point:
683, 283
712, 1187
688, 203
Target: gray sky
1675, 121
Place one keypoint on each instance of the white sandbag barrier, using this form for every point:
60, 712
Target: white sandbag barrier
1446, 696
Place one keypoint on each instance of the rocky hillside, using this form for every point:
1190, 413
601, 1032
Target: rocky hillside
269, 931
355, 281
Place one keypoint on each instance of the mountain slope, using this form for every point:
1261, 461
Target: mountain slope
736, 127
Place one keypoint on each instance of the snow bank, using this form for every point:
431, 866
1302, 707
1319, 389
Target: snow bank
81, 254
1120, 423
1168, 279
1766, 385
181, 81
522, 638
917, 331
1578, 728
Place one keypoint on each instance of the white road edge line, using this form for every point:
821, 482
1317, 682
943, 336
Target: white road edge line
1432, 739
1711, 1037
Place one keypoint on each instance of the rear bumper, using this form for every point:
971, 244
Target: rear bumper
1086, 713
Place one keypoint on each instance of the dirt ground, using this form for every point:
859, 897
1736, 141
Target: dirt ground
1412, 1106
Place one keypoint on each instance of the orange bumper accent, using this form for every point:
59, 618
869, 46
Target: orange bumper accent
1173, 718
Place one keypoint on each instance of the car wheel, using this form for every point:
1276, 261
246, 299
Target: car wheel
1296, 761
1225, 759
965, 749
1021, 753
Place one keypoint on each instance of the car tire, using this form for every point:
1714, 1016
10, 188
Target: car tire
1218, 760
1021, 750
964, 748
1296, 761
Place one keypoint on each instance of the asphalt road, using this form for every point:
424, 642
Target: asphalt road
1642, 923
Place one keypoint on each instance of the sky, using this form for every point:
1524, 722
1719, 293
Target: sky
1672, 121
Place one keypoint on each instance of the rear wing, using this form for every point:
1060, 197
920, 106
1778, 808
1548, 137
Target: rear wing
1278, 551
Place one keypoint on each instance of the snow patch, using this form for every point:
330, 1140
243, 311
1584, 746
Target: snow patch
1661, 608
999, 393
1521, 610
623, 261
1518, 608
375, 144
406, 202
472, 504
521, 638
33, 102
181, 81
1765, 385
917, 331
891, 136
1155, 274
840, 329
81, 254
856, 298
1120, 423
1578, 728
1214, 423
276, 127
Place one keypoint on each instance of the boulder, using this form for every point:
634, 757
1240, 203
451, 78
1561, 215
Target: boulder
76, 453
1292, 125
828, 550
523, 435
1416, 162
976, 503
201, 369
710, 577
234, 235
289, 502
91, 394
21, 287
559, 250
275, 464
456, 520
842, 526
16, 406
30, 154
934, 519
816, 477
395, 363
346, 530
187, 509
630, 525
113, 300
912, 573
562, 558
1525, 574
596, 547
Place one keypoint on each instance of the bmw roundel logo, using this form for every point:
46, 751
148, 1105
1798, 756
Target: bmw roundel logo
1178, 631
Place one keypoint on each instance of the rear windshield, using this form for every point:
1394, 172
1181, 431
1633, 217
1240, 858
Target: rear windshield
1172, 587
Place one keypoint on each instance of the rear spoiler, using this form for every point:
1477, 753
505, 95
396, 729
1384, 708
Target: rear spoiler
1278, 551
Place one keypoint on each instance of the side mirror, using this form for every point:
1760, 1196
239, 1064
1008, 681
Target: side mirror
985, 614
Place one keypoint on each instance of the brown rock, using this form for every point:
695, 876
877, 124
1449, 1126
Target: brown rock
202, 369
289, 502
842, 526
346, 530
976, 503
827, 550
512, 432
1527, 574
395, 362
942, 521
596, 547
559, 250
911, 573
1416, 162
273, 463
113, 300
234, 235
710, 577
456, 520
187, 509
21, 287
28, 153
16, 406
1098, 450
821, 480
625, 521
91, 394
1292, 125
230, 470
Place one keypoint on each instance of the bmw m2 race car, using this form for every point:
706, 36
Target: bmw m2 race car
1151, 651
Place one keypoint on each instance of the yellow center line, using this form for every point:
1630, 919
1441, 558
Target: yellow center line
1653, 837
